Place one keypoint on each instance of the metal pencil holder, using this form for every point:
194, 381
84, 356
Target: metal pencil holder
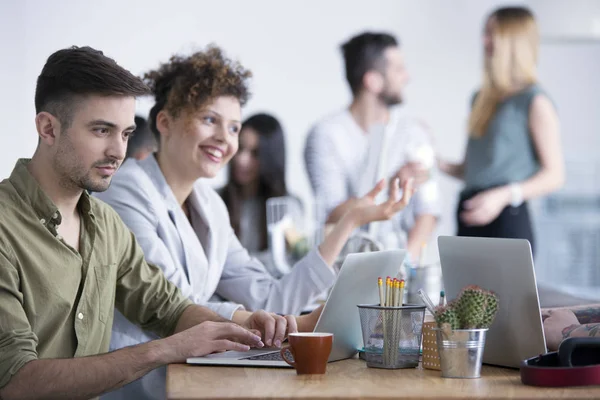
392, 335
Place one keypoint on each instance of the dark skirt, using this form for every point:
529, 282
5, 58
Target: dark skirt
512, 223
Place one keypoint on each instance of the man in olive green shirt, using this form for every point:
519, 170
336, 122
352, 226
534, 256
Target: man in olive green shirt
67, 259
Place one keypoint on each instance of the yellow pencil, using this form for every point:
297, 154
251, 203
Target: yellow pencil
402, 284
387, 291
380, 285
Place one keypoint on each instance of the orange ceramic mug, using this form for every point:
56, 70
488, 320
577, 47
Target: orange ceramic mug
310, 350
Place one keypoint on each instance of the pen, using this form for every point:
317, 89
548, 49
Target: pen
426, 300
442, 298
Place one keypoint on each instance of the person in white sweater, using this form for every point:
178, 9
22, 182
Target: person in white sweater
347, 152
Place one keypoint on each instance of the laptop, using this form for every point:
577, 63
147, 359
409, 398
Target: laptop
504, 266
356, 284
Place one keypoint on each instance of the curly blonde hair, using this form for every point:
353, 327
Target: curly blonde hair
191, 82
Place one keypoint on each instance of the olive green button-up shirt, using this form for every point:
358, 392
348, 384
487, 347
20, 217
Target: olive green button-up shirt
57, 302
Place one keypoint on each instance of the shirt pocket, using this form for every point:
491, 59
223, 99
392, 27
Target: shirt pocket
106, 283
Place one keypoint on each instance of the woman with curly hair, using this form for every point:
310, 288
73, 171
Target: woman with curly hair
182, 224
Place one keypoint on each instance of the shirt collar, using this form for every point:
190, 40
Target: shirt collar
30, 191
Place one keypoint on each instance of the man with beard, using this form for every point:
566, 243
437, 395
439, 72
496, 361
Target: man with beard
372, 140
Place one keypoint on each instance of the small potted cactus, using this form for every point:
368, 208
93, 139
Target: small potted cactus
462, 325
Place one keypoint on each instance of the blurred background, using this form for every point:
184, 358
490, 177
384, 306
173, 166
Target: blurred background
293, 51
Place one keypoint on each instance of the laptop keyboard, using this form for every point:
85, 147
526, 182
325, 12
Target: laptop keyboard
276, 356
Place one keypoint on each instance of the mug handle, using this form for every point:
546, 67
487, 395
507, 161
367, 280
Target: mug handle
284, 355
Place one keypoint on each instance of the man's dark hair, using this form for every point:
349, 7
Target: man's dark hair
80, 71
363, 53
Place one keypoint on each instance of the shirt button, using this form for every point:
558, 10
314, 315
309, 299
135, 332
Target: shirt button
55, 215
43, 221
80, 315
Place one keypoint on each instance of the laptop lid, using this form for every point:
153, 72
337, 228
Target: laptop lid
504, 266
355, 284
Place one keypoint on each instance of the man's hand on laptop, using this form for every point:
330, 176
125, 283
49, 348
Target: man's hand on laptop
272, 327
209, 337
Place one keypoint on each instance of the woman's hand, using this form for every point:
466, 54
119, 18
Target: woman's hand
336, 215
360, 212
365, 210
485, 207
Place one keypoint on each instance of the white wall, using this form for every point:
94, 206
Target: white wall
292, 48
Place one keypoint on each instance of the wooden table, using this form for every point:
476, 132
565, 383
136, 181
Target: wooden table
351, 379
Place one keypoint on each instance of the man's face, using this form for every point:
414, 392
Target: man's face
90, 150
395, 77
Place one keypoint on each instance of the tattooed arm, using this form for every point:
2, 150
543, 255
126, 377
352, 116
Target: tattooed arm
589, 314
560, 324
585, 330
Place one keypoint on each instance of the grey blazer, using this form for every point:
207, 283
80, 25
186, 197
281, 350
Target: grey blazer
204, 258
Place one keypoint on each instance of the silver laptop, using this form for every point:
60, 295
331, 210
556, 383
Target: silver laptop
355, 284
504, 266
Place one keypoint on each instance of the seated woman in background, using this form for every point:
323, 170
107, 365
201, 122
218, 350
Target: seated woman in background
256, 173
182, 224
142, 143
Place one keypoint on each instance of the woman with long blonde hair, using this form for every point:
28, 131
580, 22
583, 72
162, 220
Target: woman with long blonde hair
514, 151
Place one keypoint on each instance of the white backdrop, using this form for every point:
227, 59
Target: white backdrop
291, 47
